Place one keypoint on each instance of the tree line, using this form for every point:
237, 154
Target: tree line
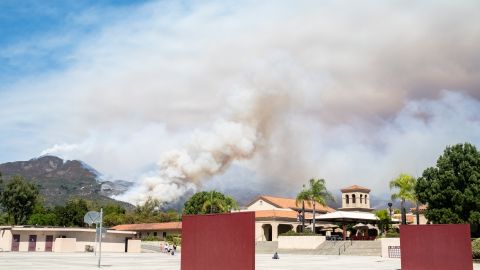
21, 204
450, 190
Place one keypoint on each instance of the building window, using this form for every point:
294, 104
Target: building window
353, 198
365, 199
155, 234
361, 198
347, 199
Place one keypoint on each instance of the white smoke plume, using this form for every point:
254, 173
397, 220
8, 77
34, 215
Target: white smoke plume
212, 152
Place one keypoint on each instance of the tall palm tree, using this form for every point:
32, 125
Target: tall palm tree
405, 184
316, 193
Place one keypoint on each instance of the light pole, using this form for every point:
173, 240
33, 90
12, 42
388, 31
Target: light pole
390, 211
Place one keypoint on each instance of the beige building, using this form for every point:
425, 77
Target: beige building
276, 215
356, 198
160, 230
51, 239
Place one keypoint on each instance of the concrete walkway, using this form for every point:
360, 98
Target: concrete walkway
74, 261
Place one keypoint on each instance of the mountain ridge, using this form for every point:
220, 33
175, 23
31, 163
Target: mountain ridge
60, 180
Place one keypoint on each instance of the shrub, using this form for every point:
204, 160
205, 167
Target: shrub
392, 234
293, 233
476, 248
150, 238
174, 239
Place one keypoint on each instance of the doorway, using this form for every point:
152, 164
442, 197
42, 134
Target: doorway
16, 242
32, 242
48, 243
267, 232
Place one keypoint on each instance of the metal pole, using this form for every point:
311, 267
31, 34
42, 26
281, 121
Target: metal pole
303, 215
96, 239
100, 235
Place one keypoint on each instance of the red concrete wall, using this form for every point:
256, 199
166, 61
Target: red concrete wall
439, 247
218, 242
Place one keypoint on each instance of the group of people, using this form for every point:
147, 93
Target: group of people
168, 248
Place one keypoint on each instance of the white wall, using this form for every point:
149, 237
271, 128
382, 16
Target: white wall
5, 240
262, 205
300, 242
386, 242
113, 242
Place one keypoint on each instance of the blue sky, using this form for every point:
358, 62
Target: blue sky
24, 23
282, 90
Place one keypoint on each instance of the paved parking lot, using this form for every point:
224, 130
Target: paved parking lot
71, 261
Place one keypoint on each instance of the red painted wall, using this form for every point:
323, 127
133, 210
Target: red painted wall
218, 242
436, 247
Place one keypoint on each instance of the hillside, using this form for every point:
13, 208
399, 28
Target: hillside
59, 180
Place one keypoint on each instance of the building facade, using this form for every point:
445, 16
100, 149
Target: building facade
51, 239
158, 230
277, 215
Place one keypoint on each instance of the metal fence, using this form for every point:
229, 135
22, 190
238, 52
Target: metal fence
394, 252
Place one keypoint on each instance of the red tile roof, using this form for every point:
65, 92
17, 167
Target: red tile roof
355, 188
149, 226
421, 209
291, 204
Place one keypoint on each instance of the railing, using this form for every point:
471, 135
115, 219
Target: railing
344, 246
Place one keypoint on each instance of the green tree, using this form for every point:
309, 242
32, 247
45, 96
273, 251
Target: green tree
451, 188
405, 186
18, 199
316, 193
72, 213
42, 216
209, 202
383, 219
150, 211
113, 214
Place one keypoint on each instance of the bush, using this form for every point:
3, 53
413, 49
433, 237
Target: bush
174, 239
150, 238
476, 248
292, 233
392, 234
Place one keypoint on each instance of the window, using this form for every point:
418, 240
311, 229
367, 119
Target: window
353, 198
365, 199
155, 234
361, 198
347, 199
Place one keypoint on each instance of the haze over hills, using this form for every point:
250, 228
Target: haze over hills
59, 180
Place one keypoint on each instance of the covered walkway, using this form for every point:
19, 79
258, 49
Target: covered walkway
348, 217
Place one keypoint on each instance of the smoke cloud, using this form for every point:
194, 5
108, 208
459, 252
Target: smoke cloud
209, 153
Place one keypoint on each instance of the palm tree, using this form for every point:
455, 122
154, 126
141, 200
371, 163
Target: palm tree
214, 203
316, 193
405, 184
383, 219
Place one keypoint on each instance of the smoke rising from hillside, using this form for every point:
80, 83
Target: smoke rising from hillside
211, 152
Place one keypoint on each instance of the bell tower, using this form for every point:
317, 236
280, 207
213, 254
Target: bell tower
356, 198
